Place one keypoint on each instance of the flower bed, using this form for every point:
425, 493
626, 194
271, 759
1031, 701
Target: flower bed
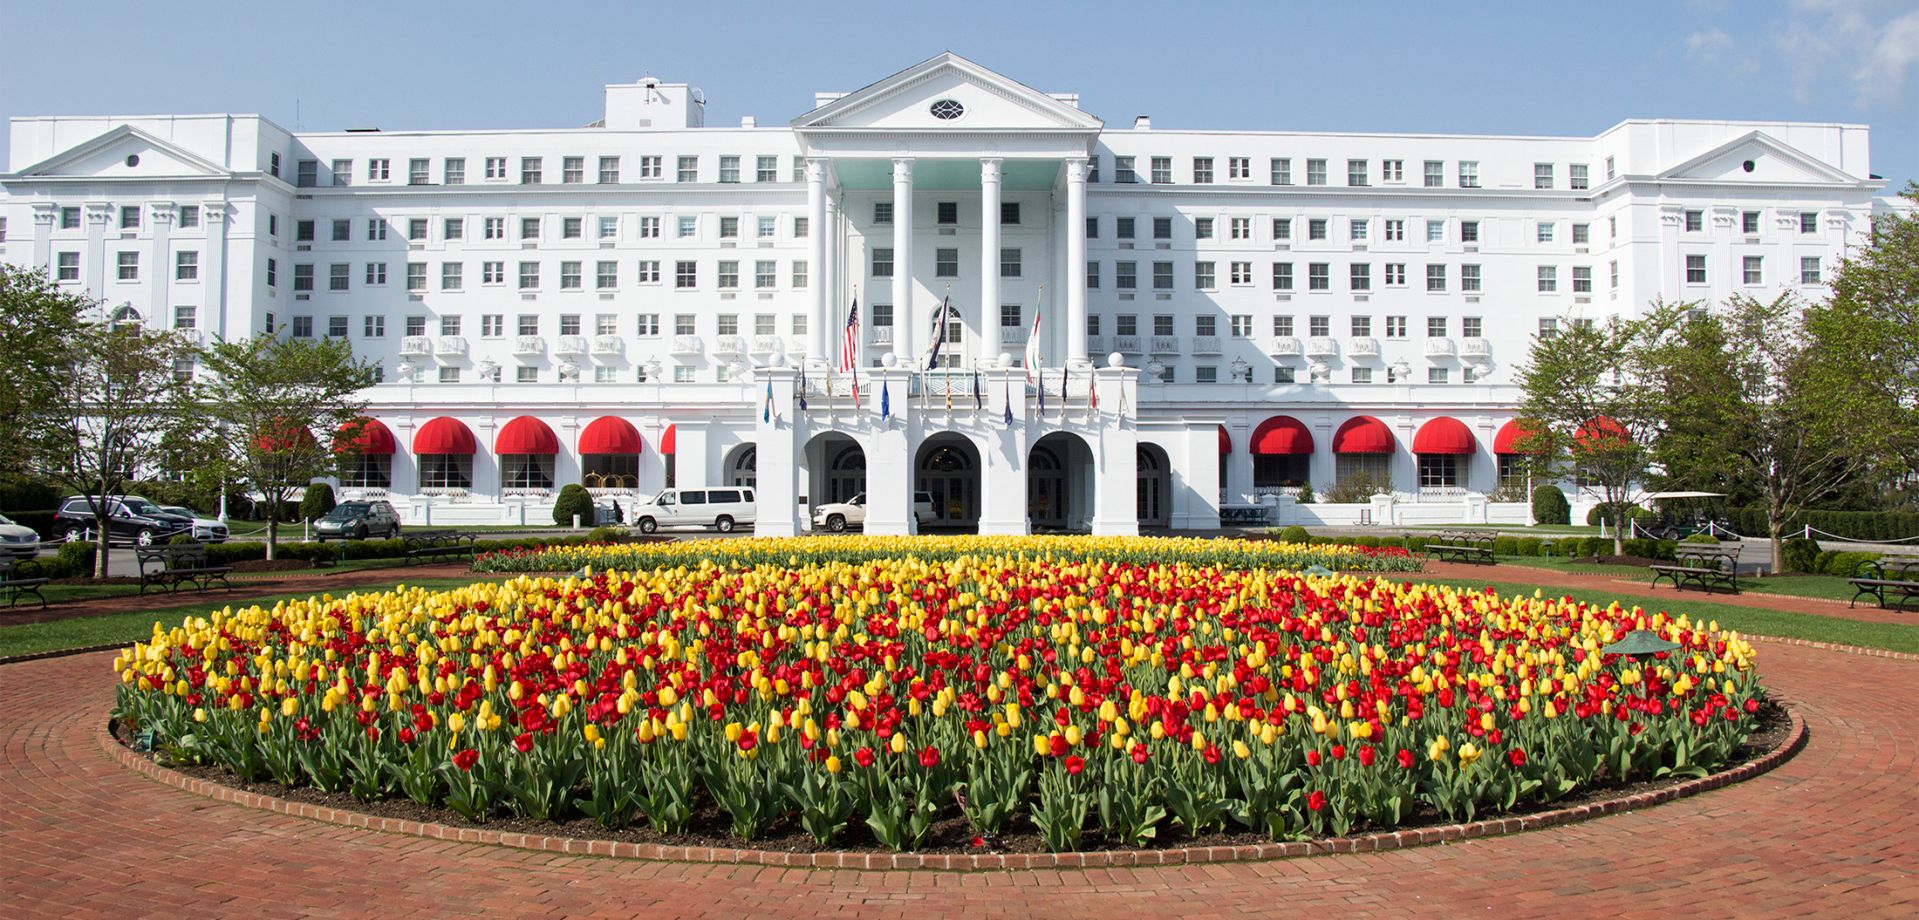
1224, 553
1090, 703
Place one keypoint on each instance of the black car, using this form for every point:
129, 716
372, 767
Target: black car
358, 520
130, 519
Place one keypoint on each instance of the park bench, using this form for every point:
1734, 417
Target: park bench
436, 544
21, 576
179, 564
1462, 545
1705, 567
1887, 575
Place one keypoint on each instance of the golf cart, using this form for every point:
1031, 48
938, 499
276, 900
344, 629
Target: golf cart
1678, 515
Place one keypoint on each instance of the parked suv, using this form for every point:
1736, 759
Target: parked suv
18, 541
130, 518
838, 516
358, 520
720, 509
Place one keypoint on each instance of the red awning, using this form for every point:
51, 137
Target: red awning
1599, 433
1509, 436
444, 436
1281, 436
282, 438
1363, 435
610, 435
526, 435
1444, 435
375, 440
669, 441
1225, 441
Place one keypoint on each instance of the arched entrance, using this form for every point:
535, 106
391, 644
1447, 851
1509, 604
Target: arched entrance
948, 470
1059, 484
1155, 477
835, 469
743, 466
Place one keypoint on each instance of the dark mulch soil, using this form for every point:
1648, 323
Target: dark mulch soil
274, 565
951, 834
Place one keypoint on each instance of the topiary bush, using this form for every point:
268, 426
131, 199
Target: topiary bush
317, 501
1294, 534
1550, 506
1798, 555
573, 500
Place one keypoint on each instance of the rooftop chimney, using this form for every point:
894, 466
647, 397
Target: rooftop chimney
1143, 123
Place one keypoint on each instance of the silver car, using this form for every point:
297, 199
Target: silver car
18, 541
205, 529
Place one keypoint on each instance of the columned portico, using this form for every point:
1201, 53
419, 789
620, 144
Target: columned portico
989, 208
819, 316
905, 319
1076, 262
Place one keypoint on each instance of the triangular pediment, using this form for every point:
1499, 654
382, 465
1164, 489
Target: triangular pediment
986, 101
112, 155
1772, 162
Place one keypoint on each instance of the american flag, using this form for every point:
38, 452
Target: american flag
850, 348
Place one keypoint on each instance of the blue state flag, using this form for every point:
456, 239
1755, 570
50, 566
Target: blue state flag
766, 415
886, 401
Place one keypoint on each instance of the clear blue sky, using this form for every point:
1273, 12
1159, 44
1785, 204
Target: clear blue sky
1548, 68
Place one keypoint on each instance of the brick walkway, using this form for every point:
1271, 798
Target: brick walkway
1828, 833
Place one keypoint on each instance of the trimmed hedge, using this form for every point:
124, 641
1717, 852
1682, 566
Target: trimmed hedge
1550, 506
1295, 534
1847, 565
1855, 525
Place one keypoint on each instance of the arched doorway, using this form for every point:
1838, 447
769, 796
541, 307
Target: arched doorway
835, 469
743, 467
948, 470
1155, 477
1059, 484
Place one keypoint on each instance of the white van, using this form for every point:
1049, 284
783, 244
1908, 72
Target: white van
720, 509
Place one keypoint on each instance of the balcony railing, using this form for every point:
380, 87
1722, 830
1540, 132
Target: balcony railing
570, 345
608, 345
879, 335
688, 345
1165, 344
1322, 346
730, 345
416, 345
1205, 344
529, 345
1475, 347
766, 344
1127, 344
1285, 346
1363, 346
1015, 337
1095, 344
450, 345
1441, 348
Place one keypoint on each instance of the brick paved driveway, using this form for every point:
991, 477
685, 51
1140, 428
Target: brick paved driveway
1831, 832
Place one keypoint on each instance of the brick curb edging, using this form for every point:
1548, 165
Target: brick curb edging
969, 862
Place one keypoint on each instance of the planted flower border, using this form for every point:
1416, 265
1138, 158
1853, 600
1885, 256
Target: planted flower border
1096, 702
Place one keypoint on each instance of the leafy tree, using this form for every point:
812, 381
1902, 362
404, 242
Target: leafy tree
1583, 401
114, 400
37, 318
1872, 324
278, 408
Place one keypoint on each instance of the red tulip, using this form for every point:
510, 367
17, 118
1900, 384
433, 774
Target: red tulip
466, 759
1516, 757
1406, 759
1312, 758
1366, 756
929, 757
1139, 753
863, 757
1316, 801
1075, 764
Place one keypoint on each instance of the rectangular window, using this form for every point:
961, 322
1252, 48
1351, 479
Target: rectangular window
1472, 327
416, 325
454, 228
1162, 276
1362, 375
1239, 167
606, 275
1582, 234
1582, 279
1469, 231
1695, 221
1395, 327
729, 324
649, 228
303, 278
1203, 276
342, 231
189, 218
946, 212
1092, 275
1319, 276
1242, 272
688, 169
450, 276
1356, 173
1548, 279
1162, 170
1282, 276
303, 231
1468, 173
375, 229
1319, 326
1162, 228
729, 228
306, 173
1808, 222
186, 266
883, 315
1202, 170
569, 324
1749, 222
1576, 178
379, 170
686, 274
415, 275
686, 226
374, 327
527, 324
1126, 324
1123, 227
530, 170
338, 276
418, 171
730, 169
1361, 276
342, 172
799, 274
1435, 277
453, 171
1469, 278
1392, 170
609, 170
1435, 231
1123, 171
1126, 275
1612, 273
1395, 231
303, 327
1202, 228
609, 228
800, 228
1009, 212
1315, 172
766, 169
882, 212
569, 276
529, 275
1809, 270
1241, 228
415, 229
1358, 229
765, 274
647, 325
1206, 374
946, 263
1282, 171
1542, 175
1435, 173
1752, 270
69, 218
570, 228
882, 262
492, 272
649, 272
1242, 325
650, 167
375, 274
496, 168
1283, 326
1282, 228
1009, 263
1437, 375
1316, 228
1395, 274
1435, 327
1163, 324
1544, 232
1695, 269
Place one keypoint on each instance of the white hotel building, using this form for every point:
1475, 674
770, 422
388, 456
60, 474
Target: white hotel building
1249, 310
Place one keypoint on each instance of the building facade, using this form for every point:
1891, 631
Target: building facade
1048, 323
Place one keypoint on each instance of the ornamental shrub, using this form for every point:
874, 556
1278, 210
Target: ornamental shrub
1550, 506
1705, 538
1505, 546
605, 535
1417, 544
1594, 546
75, 560
1392, 542
574, 499
1305, 496
1567, 547
1846, 565
1294, 534
183, 538
1529, 546
1798, 555
1367, 542
1823, 561
317, 501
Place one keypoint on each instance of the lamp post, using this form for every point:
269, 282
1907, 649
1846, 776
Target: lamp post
1639, 644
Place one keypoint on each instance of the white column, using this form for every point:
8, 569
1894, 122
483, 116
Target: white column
1116, 489
213, 272
774, 434
820, 316
989, 261
905, 320
46, 216
1076, 261
160, 282
1003, 452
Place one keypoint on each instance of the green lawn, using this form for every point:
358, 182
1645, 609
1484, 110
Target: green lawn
1897, 638
1830, 587
83, 632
